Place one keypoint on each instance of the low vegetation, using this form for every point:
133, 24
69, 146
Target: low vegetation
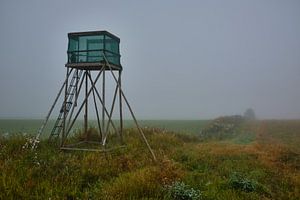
246, 160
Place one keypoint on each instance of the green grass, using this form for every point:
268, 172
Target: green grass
260, 161
30, 126
20, 125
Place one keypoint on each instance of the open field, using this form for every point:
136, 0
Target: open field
250, 160
30, 126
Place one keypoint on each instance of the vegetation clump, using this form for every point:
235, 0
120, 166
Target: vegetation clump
238, 181
222, 127
181, 191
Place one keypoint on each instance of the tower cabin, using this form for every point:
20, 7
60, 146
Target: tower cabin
92, 50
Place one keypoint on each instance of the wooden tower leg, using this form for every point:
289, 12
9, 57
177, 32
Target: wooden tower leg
86, 103
121, 109
103, 104
65, 109
131, 112
97, 113
111, 111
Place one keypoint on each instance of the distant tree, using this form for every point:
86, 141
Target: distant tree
249, 114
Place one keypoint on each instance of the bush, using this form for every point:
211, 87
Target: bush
181, 191
237, 181
222, 127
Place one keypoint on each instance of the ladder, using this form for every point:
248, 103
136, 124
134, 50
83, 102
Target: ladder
71, 91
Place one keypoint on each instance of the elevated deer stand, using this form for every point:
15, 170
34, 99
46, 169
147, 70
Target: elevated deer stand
90, 56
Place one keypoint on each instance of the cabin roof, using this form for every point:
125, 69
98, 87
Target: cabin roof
89, 33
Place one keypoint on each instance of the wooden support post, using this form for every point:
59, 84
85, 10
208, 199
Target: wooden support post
131, 112
97, 114
111, 111
120, 108
76, 89
86, 104
103, 104
65, 109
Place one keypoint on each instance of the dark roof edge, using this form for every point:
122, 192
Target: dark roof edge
93, 33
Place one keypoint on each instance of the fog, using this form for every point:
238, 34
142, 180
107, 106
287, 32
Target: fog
181, 59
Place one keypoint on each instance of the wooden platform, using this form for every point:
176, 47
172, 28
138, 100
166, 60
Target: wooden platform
93, 66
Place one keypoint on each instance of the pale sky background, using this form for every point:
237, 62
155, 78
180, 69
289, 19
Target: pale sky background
181, 59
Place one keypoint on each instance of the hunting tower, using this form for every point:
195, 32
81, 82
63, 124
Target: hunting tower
91, 57
89, 51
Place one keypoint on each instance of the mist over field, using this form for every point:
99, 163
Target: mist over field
181, 59
213, 85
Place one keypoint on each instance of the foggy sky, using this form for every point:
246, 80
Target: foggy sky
181, 59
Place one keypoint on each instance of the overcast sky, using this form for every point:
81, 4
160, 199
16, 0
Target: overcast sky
181, 59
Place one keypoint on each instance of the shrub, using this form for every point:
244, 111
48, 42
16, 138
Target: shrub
237, 181
222, 127
181, 191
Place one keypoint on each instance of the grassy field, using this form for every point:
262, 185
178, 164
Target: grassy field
225, 160
30, 126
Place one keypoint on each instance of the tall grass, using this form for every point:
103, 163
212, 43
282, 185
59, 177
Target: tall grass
265, 168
